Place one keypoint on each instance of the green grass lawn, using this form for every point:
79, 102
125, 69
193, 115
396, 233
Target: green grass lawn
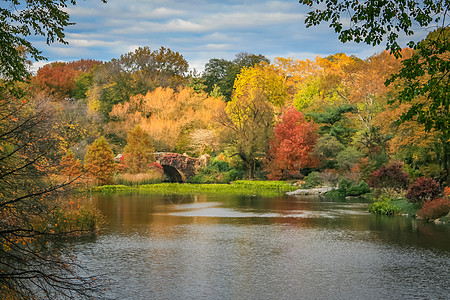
240, 187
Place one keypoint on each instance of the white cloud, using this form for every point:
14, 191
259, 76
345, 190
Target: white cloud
217, 46
198, 29
91, 43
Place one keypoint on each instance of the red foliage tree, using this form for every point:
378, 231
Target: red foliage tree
291, 148
436, 208
391, 176
422, 190
59, 78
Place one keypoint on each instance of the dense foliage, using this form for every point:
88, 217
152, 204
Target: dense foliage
391, 176
99, 161
292, 146
433, 209
138, 153
332, 118
422, 190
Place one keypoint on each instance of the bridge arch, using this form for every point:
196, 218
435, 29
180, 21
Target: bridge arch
172, 174
177, 167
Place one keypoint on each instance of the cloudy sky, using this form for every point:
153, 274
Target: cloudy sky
198, 29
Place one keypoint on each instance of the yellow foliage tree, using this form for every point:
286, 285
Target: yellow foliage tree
99, 161
249, 116
139, 151
262, 80
166, 115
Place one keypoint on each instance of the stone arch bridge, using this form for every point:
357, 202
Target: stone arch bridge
177, 167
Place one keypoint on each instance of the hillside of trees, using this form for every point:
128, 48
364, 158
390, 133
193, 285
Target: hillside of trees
278, 120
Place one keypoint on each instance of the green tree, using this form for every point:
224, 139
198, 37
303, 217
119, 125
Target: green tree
371, 22
139, 151
99, 161
222, 73
334, 122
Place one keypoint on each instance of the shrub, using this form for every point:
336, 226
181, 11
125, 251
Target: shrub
349, 188
313, 180
447, 191
218, 171
389, 177
436, 208
422, 190
329, 177
406, 207
383, 208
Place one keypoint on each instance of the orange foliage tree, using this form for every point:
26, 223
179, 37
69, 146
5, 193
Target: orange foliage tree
32, 265
59, 78
166, 115
139, 151
70, 167
292, 146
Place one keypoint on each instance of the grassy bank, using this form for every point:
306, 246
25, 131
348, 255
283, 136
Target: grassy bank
240, 187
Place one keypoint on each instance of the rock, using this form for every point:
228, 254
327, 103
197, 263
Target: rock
437, 221
314, 191
204, 160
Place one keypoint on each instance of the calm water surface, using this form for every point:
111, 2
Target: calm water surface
235, 247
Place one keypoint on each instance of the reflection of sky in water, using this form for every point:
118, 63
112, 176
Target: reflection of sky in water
213, 209
264, 248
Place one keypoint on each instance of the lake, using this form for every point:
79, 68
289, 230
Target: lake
250, 247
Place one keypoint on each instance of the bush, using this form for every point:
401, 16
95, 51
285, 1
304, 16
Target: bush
383, 208
406, 207
389, 177
313, 180
218, 171
422, 190
348, 158
349, 188
436, 208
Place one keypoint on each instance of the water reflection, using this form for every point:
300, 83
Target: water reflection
238, 247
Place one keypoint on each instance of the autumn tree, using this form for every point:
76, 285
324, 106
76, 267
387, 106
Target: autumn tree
167, 115
249, 117
292, 146
423, 84
135, 73
424, 77
70, 166
20, 20
99, 161
139, 152
60, 79
221, 73
33, 265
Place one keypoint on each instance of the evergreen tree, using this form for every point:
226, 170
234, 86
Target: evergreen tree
138, 153
99, 161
